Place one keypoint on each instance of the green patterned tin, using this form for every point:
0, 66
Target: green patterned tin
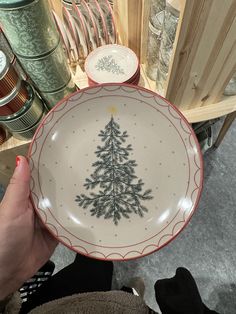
50, 72
53, 98
28, 26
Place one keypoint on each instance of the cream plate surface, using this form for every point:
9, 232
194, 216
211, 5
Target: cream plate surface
116, 172
111, 64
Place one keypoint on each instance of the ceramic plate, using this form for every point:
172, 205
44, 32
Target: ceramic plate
116, 172
62, 32
111, 63
83, 44
81, 22
91, 21
100, 20
73, 49
110, 21
70, 25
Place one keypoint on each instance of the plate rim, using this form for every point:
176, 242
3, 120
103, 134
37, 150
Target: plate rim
86, 6
104, 47
106, 36
201, 168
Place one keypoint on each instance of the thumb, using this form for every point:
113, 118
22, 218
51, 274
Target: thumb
16, 198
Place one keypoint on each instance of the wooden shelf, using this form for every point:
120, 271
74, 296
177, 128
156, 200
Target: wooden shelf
13, 147
212, 111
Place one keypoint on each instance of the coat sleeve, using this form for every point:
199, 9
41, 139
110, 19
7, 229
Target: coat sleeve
11, 305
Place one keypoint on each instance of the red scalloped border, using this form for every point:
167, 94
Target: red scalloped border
180, 117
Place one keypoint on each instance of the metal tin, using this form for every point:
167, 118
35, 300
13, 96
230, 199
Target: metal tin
28, 133
50, 72
9, 4
5, 100
53, 98
5, 46
19, 69
30, 28
8, 76
13, 102
27, 116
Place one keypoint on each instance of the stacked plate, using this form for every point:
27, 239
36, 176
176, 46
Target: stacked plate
20, 108
112, 64
86, 25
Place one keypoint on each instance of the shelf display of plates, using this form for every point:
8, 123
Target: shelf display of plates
112, 64
82, 31
90, 22
111, 26
135, 173
86, 25
62, 31
100, 21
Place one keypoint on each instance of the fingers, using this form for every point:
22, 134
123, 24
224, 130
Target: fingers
16, 199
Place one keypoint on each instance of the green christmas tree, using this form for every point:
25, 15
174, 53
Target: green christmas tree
108, 64
114, 177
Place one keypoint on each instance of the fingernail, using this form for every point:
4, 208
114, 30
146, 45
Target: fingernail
17, 161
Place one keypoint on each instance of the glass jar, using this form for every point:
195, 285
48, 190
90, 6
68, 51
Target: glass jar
156, 20
168, 36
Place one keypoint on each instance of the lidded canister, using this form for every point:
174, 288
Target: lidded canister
29, 26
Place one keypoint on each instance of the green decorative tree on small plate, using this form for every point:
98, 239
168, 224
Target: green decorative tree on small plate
108, 64
120, 191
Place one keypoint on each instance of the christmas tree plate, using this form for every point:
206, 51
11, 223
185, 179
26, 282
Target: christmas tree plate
111, 64
116, 171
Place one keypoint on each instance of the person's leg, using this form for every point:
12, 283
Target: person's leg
83, 275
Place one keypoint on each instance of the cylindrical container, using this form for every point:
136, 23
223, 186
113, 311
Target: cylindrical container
53, 98
5, 46
166, 47
49, 72
28, 133
28, 26
156, 21
19, 69
26, 116
8, 76
14, 101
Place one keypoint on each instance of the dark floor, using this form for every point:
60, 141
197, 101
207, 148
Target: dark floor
207, 246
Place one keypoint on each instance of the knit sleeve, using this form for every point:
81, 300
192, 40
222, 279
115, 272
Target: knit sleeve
11, 305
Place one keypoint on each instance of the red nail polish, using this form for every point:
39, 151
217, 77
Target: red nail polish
17, 161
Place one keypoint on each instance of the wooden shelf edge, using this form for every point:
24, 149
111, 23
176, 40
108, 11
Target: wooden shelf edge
12, 143
213, 111
207, 112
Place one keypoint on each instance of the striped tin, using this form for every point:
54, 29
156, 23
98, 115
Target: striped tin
29, 133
